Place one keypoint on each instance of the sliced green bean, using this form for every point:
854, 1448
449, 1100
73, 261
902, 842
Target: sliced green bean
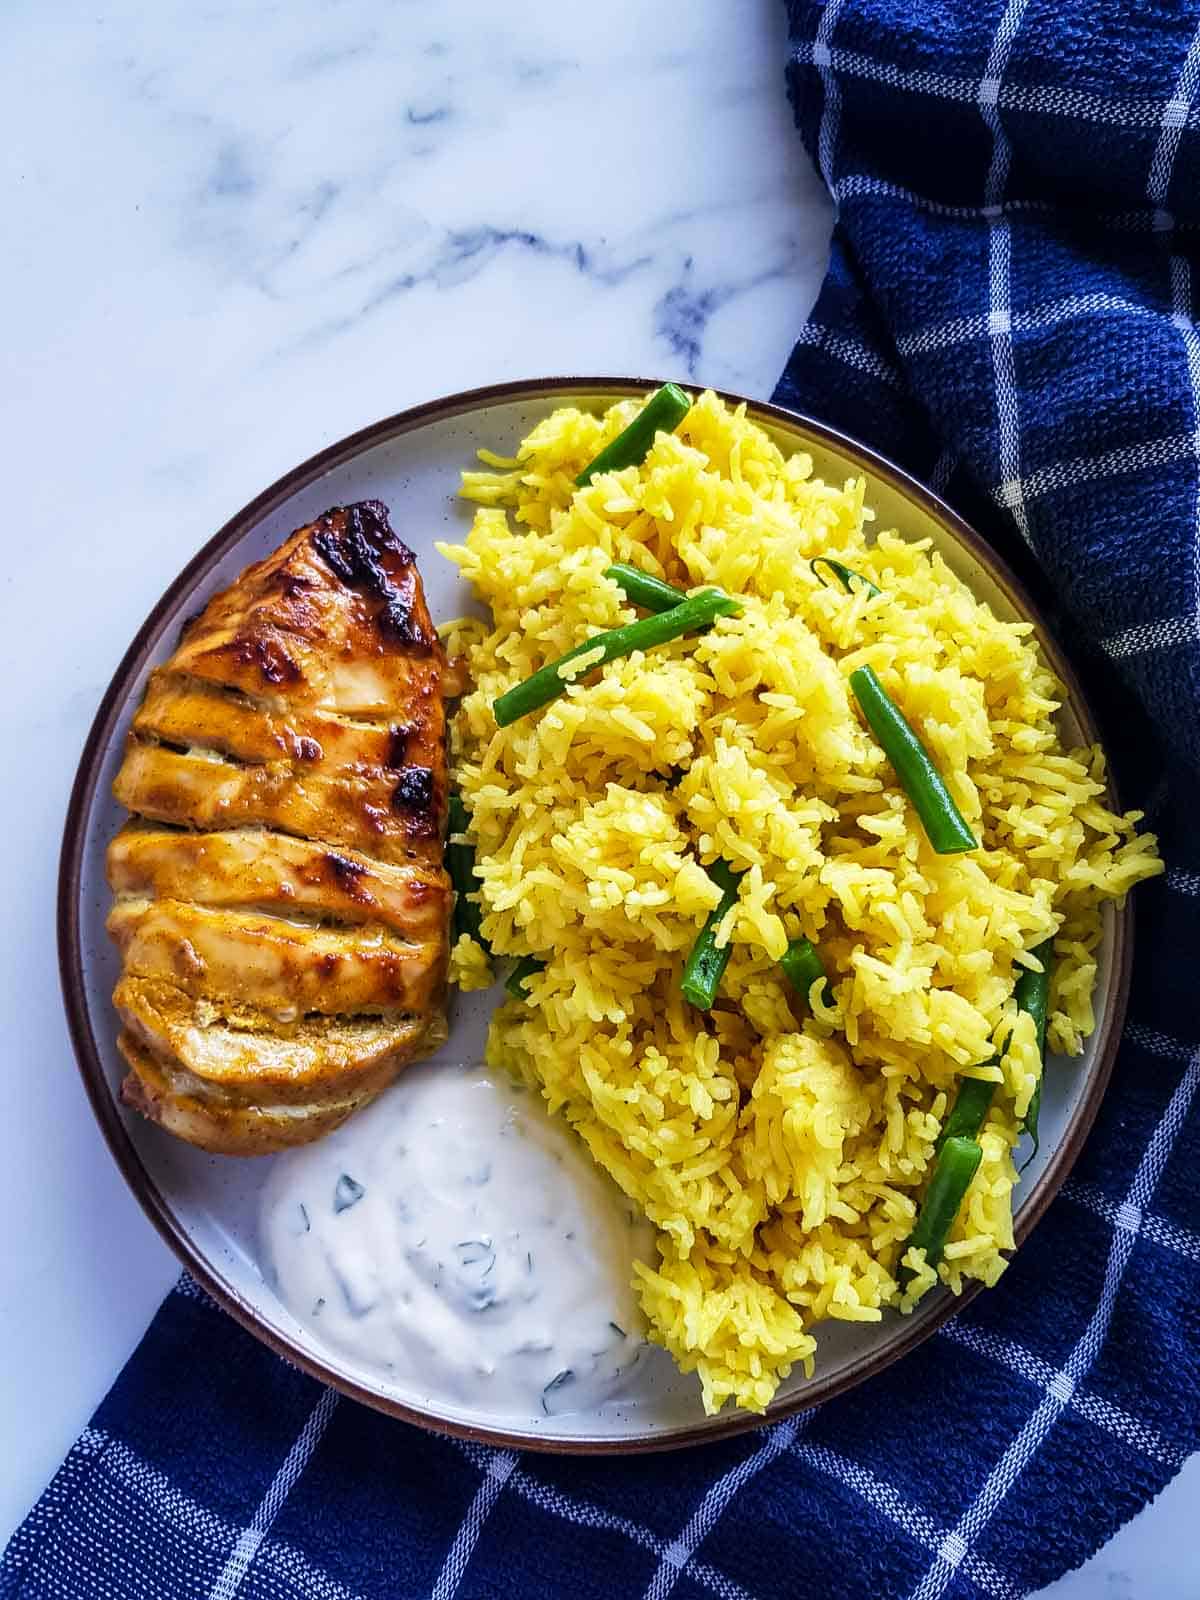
919, 778
970, 1107
1032, 994
956, 1166
526, 968
846, 576
705, 965
691, 616
652, 594
802, 966
460, 864
662, 413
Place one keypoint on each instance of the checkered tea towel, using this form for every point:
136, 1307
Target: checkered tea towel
1009, 312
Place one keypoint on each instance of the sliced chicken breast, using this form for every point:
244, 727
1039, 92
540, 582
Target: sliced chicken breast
280, 902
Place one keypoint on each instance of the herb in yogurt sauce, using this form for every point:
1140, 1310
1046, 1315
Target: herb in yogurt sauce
471, 1252
556, 1382
347, 1193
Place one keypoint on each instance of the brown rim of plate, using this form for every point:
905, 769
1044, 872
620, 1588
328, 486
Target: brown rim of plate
918, 1327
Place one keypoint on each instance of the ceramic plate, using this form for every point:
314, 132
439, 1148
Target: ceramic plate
205, 1206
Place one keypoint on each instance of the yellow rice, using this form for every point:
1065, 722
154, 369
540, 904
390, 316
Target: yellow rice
779, 1149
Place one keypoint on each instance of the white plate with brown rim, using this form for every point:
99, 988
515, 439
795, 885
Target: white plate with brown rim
206, 1206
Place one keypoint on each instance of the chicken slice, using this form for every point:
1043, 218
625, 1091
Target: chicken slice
187, 712
336, 619
252, 867
190, 1110
249, 1058
289, 969
390, 818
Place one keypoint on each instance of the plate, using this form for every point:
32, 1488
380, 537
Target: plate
205, 1206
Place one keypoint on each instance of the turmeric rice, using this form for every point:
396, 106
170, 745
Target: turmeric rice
780, 1144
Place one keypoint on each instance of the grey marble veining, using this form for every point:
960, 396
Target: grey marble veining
232, 234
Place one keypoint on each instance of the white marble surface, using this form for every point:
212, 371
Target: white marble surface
232, 234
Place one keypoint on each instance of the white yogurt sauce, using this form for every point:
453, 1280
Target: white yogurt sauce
457, 1240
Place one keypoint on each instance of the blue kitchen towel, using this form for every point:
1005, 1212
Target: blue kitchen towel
1009, 312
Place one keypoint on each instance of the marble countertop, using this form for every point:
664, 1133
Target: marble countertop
234, 234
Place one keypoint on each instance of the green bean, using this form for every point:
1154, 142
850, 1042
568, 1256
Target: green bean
460, 864
970, 1107
652, 594
846, 576
919, 778
956, 1166
1032, 994
691, 616
663, 412
525, 968
705, 965
802, 966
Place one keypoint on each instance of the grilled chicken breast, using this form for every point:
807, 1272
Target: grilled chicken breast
279, 899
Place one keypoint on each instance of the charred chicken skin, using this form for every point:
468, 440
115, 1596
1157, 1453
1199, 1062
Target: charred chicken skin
279, 899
